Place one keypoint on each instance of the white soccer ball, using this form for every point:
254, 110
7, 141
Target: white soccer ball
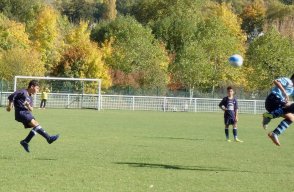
236, 60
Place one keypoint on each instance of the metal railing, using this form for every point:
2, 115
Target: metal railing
143, 103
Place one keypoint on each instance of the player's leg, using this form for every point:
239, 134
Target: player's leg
41, 104
227, 133
289, 118
45, 101
274, 106
38, 129
235, 132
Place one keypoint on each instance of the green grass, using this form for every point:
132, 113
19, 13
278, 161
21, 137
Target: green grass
127, 151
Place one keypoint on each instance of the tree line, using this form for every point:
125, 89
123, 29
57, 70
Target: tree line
179, 44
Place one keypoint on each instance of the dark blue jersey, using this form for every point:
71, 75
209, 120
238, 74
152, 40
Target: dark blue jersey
18, 98
231, 106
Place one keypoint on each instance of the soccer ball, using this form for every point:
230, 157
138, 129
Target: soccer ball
236, 60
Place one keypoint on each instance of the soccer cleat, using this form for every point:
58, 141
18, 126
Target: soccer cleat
266, 119
25, 145
228, 140
53, 138
268, 115
274, 138
238, 140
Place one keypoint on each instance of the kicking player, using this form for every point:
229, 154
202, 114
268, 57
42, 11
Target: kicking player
22, 101
277, 105
229, 105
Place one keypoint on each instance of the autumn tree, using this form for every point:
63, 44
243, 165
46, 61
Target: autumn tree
81, 57
230, 20
253, 17
17, 56
110, 10
12, 34
46, 36
19, 61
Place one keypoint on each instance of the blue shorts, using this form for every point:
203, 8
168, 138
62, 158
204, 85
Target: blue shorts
25, 117
273, 103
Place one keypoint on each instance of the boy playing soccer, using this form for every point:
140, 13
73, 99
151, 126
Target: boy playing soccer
277, 105
23, 102
229, 105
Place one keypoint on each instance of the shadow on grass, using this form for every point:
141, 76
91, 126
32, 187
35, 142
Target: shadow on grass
177, 138
45, 159
177, 167
5, 158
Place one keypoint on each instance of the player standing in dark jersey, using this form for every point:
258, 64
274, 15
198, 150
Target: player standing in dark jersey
229, 105
22, 101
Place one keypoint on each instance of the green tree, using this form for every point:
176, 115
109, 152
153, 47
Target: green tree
269, 56
78, 10
21, 10
135, 50
175, 31
150, 11
124, 6
192, 67
220, 43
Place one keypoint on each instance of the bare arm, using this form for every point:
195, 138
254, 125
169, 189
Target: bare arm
280, 86
28, 106
9, 106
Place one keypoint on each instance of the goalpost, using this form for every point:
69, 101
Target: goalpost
67, 92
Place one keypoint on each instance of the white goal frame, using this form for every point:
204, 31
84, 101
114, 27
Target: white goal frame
65, 79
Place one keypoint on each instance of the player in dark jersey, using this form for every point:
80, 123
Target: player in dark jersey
229, 105
22, 101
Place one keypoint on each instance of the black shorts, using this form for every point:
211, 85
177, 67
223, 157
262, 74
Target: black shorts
230, 121
25, 117
272, 103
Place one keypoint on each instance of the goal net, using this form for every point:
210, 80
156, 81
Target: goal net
65, 92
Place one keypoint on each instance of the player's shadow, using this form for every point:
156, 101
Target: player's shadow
6, 158
45, 159
177, 138
177, 167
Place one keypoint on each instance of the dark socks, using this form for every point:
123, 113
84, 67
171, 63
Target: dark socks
31, 134
235, 133
34, 131
227, 133
42, 132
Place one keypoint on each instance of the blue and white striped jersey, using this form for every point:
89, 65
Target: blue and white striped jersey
288, 86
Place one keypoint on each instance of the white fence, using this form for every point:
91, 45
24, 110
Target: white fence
147, 103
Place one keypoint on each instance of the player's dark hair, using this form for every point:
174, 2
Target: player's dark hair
292, 77
229, 88
33, 83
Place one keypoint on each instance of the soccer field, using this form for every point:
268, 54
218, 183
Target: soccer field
131, 151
